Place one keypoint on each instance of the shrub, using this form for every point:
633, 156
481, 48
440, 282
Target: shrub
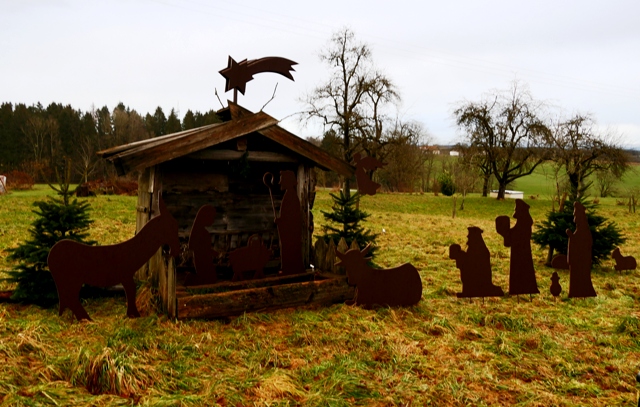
346, 218
447, 186
552, 233
57, 219
19, 180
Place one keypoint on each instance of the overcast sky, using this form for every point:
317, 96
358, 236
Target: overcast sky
579, 56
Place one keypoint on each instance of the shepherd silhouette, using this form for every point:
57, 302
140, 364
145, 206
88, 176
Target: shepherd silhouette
475, 267
290, 226
522, 275
579, 255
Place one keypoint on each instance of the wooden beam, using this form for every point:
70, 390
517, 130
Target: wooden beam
224, 304
228, 155
156, 153
298, 145
152, 141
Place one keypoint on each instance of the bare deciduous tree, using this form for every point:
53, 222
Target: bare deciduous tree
349, 101
508, 126
582, 150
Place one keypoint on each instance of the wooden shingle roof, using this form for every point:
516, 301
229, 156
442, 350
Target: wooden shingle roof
239, 122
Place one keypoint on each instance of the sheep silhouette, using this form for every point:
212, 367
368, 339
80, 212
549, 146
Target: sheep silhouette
623, 262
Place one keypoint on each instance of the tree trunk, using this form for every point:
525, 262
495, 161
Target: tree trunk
485, 185
549, 257
501, 188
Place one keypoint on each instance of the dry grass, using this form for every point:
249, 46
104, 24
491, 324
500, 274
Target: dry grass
444, 351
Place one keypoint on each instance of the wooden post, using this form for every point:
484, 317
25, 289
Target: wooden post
320, 255
331, 258
143, 211
342, 248
304, 194
455, 198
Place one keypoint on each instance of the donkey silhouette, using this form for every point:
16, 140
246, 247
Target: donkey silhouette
73, 264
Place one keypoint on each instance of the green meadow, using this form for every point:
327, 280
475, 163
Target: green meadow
527, 351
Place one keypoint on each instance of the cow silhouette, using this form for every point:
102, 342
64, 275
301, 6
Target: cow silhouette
400, 286
73, 264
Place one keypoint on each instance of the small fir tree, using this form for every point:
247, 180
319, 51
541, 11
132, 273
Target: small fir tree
57, 219
345, 220
552, 232
447, 186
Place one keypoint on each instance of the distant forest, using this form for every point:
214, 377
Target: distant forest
37, 139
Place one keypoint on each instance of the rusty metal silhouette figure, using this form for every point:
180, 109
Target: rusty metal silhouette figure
579, 255
400, 286
73, 264
237, 74
363, 165
200, 244
555, 288
623, 262
289, 223
522, 275
475, 267
559, 262
253, 257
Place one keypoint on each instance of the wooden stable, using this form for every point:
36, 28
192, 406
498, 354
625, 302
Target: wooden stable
223, 165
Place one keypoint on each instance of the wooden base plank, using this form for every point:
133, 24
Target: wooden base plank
222, 304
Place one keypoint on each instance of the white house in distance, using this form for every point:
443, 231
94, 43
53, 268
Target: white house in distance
454, 153
508, 194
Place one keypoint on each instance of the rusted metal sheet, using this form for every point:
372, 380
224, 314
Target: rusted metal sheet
365, 166
399, 286
475, 267
522, 275
555, 288
623, 262
579, 255
237, 74
200, 245
252, 257
289, 223
73, 264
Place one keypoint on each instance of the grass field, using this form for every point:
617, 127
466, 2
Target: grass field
444, 351
541, 182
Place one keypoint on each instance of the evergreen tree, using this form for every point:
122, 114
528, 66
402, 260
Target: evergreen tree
552, 232
173, 123
447, 186
346, 218
57, 219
